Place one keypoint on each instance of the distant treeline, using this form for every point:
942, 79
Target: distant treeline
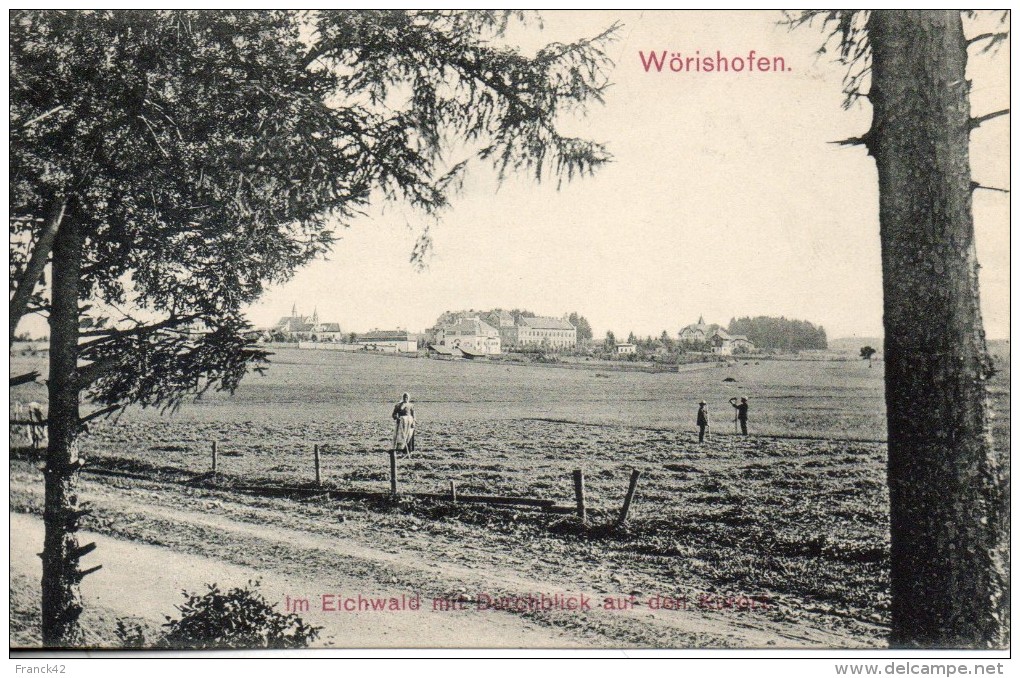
780, 333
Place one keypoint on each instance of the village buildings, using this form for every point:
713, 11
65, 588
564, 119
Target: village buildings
388, 341
489, 333
716, 338
539, 332
470, 335
297, 327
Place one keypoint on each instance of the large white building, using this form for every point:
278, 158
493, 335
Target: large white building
553, 333
470, 334
388, 341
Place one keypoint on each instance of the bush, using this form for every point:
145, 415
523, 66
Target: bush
239, 619
131, 634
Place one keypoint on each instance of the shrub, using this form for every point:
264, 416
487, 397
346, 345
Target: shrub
130, 634
240, 618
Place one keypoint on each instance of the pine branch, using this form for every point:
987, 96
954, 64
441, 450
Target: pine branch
40, 118
26, 378
110, 334
84, 573
975, 186
994, 39
977, 122
99, 413
88, 374
35, 266
863, 140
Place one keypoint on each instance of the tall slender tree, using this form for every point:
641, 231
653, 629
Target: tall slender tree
169, 165
948, 491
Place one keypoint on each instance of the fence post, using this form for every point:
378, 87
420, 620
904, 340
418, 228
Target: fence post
634, 475
317, 480
214, 456
393, 472
579, 495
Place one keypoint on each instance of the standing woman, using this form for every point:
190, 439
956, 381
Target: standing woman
403, 414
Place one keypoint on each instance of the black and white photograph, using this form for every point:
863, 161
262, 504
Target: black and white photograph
494, 330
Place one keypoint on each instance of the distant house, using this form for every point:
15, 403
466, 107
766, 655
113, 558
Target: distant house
696, 333
724, 343
499, 319
624, 349
473, 335
741, 343
541, 331
388, 341
721, 341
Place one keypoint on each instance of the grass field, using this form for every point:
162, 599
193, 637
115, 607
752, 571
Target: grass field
796, 512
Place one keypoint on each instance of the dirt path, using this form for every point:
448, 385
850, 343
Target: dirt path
158, 575
300, 551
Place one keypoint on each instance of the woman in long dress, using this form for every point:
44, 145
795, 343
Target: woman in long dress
403, 414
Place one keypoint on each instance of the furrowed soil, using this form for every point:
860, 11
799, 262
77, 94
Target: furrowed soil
778, 539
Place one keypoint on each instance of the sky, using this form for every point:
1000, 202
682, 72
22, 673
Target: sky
725, 199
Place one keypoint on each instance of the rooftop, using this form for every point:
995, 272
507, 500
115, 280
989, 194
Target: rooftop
543, 323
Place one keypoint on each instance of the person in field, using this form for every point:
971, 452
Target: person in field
403, 414
702, 421
741, 409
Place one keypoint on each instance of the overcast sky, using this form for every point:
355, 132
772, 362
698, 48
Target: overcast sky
724, 199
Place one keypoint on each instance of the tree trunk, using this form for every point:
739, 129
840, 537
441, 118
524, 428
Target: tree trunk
61, 599
949, 517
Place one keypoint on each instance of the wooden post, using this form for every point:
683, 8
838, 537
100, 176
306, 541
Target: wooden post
453, 491
634, 475
579, 495
214, 456
318, 481
393, 472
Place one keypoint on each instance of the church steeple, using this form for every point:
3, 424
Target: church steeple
315, 316
701, 320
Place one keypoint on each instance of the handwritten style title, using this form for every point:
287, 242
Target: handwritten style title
678, 62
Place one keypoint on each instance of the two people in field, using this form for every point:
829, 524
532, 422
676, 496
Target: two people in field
403, 415
703, 420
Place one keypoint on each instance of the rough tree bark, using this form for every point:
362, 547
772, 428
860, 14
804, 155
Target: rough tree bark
949, 517
61, 598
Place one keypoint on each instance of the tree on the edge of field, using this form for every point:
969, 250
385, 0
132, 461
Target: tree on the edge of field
582, 325
948, 494
867, 352
168, 165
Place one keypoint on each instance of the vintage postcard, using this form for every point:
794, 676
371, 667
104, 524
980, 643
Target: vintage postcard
440, 329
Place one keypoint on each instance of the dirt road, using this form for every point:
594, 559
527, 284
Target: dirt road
303, 552
158, 575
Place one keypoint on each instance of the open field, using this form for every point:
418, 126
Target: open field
794, 515
841, 399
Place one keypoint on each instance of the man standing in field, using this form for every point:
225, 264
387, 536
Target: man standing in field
702, 421
403, 414
741, 413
